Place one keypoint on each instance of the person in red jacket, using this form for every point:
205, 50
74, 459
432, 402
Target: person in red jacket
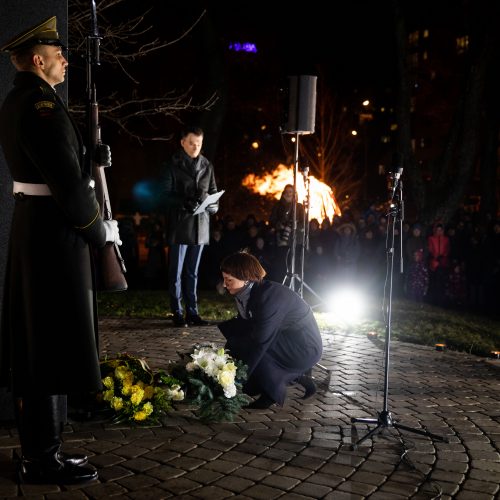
438, 245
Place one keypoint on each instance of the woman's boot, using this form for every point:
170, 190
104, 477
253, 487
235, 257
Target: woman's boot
307, 382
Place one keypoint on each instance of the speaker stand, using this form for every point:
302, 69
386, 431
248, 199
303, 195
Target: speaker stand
292, 278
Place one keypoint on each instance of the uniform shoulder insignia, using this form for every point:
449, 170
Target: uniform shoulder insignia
45, 103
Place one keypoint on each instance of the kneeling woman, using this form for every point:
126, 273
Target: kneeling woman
275, 332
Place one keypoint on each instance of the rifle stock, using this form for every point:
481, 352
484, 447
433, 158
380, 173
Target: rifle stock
110, 266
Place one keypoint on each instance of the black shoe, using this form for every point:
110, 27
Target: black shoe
196, 321
73, 459
179, 321
262, 403
309, 386
54, 472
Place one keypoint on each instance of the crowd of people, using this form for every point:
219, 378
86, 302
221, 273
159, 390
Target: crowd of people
452, 265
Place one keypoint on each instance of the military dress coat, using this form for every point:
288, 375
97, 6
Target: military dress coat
48, 341
186, 183
279, 340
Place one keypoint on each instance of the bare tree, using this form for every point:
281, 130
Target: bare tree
125, 43
328, 151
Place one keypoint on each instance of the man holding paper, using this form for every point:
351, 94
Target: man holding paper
188, 179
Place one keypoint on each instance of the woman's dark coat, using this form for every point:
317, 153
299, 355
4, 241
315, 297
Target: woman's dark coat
48, 342
186, 183
279, 341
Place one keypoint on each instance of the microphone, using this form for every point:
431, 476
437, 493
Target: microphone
395, 182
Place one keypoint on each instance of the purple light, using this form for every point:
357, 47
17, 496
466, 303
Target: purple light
243, 47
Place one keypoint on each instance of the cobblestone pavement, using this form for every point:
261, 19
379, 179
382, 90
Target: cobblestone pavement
303, 450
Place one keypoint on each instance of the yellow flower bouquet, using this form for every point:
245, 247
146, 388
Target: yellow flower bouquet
133, 392
213, 381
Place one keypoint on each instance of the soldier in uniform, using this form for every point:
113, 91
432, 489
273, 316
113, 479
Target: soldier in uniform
48, 341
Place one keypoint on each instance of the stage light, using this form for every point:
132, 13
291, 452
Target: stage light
347, 305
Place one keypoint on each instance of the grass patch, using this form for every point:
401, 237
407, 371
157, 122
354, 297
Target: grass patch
415, 323
155, 304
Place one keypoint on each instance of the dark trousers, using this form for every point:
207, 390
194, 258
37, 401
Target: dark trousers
40, 420
184, 261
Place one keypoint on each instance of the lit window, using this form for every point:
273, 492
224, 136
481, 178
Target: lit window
462, 44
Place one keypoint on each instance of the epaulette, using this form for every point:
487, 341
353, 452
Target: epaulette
47, 92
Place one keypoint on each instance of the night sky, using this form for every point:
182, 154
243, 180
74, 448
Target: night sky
350, 48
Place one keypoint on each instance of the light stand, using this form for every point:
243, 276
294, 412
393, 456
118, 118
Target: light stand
291, 277
384, 419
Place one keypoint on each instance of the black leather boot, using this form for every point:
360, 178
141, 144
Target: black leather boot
72, 458
308, 384
49, 470
40, 422
262, 403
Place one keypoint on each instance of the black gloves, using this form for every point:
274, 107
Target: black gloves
191, 205
102, 155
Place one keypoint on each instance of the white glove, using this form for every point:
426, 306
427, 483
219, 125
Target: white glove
112, 233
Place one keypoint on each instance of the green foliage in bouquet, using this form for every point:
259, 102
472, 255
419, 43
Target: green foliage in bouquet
213, 382
133, 392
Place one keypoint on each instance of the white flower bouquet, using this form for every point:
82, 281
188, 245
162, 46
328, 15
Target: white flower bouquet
212, 381
133, 392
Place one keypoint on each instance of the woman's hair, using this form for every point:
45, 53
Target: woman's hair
243, 266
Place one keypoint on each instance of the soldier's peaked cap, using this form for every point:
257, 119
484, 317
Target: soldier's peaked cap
44, 33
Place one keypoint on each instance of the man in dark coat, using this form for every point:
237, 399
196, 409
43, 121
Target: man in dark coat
275, 333
188, 179
48, 342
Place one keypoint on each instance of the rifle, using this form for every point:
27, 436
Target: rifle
109, 262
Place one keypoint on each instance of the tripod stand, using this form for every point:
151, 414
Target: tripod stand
384, 419
292, 279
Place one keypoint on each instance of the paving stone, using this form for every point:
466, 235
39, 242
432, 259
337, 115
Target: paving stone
161, 456
281, 481
300, 451
203, 476
266, 464
180, 485
187, 463
138, 482
139, 464
238, 457
235, 484
295, 472
151, 493
312, 489
384, 495
403, 489
166, 472
105, 490
223, 466
441, 475
481, 486
264, 492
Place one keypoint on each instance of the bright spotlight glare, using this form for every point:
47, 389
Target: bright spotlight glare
347, 305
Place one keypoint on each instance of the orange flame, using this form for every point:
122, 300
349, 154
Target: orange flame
322, 202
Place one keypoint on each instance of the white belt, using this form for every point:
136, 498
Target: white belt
31, 189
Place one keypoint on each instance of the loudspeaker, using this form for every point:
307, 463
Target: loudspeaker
300, 110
